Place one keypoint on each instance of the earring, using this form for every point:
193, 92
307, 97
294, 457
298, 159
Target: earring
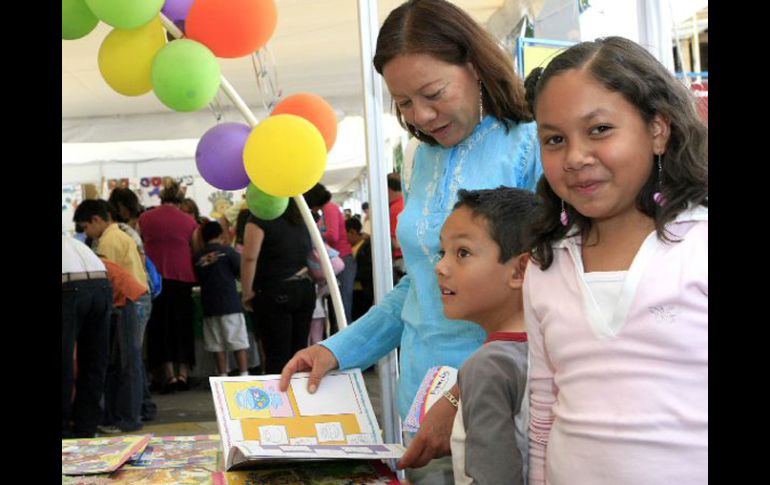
658, 196
481, 103
564, 217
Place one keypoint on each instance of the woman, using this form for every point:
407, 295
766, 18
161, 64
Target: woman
332, 226
455, 90
167, 234
276, 284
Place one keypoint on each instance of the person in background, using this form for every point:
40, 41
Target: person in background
86, 305
276, 284
224, 326
455, 90
333, 230
116, 245
127, 205
367, 222
363, 291
395, 207
168, 233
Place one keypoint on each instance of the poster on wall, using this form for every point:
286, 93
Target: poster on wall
212, 203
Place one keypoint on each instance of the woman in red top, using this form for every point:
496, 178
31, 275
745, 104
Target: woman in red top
168, 234
332, 226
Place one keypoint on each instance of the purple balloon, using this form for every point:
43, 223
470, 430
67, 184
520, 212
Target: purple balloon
219, 156
177, 9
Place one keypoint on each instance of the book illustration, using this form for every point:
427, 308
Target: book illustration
257, 400
315, 473
436, 381
99, 455
156, 476
267, 424
201, 451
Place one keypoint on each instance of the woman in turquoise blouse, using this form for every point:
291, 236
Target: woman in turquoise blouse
455, 90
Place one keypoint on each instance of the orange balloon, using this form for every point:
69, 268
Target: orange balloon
231, 28
316, 110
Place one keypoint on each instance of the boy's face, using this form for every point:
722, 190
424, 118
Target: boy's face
474, 284
94, 228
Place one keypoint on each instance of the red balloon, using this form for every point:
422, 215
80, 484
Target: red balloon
231, 28
316, 110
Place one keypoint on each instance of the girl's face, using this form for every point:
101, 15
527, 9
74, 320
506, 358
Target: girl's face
597, 151
438, 98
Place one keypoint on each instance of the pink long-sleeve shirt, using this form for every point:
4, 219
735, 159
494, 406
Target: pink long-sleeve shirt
629, 406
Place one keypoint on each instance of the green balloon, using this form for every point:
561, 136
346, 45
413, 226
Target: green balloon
125, 14
265, 206
77, 20
185, 75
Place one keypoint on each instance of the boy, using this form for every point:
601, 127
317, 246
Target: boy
94, 217
224, 327
484, 246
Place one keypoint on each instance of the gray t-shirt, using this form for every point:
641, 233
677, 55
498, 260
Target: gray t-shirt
489, 437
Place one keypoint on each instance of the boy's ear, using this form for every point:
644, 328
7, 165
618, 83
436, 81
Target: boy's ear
519, 267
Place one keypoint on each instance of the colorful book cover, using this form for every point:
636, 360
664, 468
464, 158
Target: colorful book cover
314, 473
258, 422
99, 455
437, 380
201, 451
152, 476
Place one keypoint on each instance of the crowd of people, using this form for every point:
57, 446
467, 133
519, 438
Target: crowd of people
552, 245
269, 260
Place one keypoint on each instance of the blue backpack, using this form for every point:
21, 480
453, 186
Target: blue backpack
154, 278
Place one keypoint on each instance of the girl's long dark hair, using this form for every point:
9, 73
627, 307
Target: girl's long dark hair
623, 66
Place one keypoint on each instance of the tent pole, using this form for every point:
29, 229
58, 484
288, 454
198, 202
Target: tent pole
387, 367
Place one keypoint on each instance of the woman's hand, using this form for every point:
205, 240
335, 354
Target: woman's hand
317, 359
433, 438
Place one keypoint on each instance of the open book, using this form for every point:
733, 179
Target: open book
260, 425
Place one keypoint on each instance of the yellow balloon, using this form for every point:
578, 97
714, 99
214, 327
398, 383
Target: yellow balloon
125, 57
285, 155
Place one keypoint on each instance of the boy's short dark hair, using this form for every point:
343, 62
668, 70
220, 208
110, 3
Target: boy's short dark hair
354, 224
211, 230
509, 213
90, 208
364, 206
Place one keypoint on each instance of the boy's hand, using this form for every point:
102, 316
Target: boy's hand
432, 440
317, 359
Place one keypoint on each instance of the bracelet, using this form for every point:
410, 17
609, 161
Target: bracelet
452, 400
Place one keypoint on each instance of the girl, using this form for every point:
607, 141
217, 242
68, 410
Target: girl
616, 304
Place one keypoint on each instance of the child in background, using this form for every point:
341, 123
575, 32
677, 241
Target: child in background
484, 252
617, 302
217, 267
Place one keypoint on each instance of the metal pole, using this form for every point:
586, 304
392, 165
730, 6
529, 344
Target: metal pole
387, 367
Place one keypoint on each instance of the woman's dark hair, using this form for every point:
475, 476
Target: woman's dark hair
444, 31
317, 196
171, 193
191, 205
623, 66
125, 197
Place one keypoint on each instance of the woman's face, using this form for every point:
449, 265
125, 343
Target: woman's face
438, 98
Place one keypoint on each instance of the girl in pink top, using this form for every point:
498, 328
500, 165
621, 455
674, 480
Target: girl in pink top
616, 303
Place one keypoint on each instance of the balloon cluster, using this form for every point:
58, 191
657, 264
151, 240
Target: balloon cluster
283, 156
